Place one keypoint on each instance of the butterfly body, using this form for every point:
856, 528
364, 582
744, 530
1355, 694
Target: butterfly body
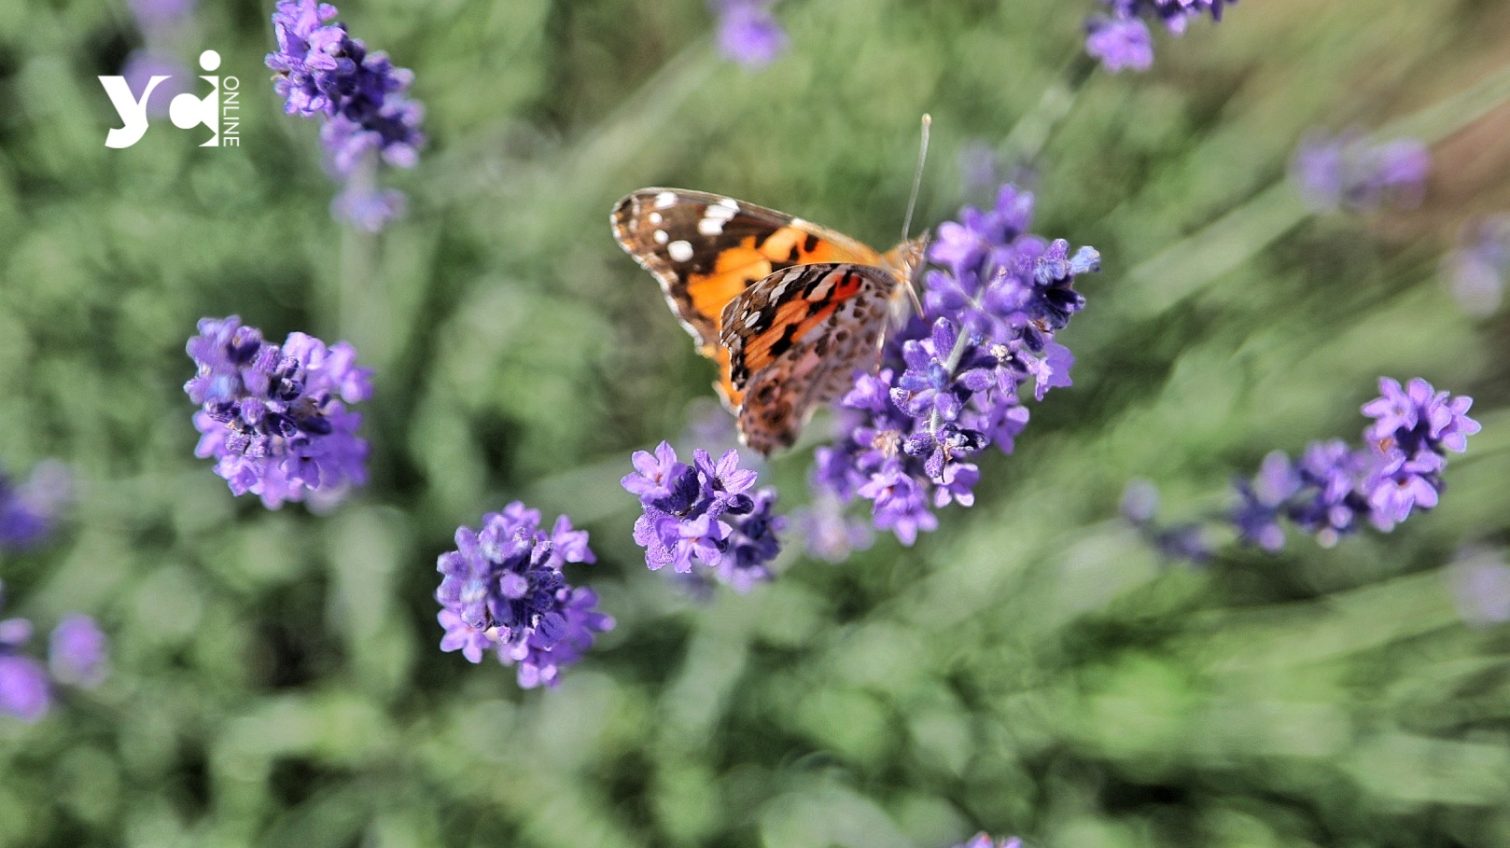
789, 310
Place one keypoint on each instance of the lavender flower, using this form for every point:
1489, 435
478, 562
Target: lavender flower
984, 840
747, 32
1352, 173
275, 417
322, 71
908, 436
77, 658
1480, 584
1333, 489
1119, 43
1120, 39
829, 533
155, 14
24, 690
1477, 270
28, 511
76, 653
704, 516
503, 590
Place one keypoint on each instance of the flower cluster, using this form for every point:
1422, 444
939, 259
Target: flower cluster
1120, 38
1334, 488
946, 390
1349, 172
706, 514
322, 71
1479, 267
747, 33
503, 590
29, 510
76, 657
275, 417
985, 840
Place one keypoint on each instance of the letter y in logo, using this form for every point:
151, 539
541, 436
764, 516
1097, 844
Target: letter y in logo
133, 112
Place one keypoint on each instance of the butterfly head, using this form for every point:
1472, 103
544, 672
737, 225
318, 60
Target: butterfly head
906, 261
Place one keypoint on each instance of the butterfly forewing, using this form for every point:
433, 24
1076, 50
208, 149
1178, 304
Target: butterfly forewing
706, 249
795, 339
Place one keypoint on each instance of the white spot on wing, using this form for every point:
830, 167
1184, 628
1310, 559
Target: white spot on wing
680, 251
720, 212
661, 237
729, 203
655, 218
710, 226
665, 200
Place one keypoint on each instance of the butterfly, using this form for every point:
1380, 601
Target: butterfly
787, 309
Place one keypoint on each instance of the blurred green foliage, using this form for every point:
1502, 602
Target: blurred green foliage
1029, 668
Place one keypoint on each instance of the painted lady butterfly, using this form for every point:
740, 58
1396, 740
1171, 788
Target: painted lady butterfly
789, 310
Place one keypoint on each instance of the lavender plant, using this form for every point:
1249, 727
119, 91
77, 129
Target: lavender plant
503, 591
1119, 38
1477, 269
948, 387
985, 840
1335, 488
705, 518
76, 656
275, 418
29, 510
321, 71
748, 32
1349, 172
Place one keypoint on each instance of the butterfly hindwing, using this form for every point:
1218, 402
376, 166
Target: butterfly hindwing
794, 340
706, 249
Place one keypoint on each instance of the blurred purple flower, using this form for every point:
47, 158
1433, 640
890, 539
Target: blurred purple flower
1119, 43
24, 690
907, 436
828, 532
704, 516
28, 511
367, 208
985, 840
503, 590
1140, 506
1120, 39
1480, 584
320, 70
1477, 270
142, 65
1349, 172
152, 15
275, 418
77, 651
748, 33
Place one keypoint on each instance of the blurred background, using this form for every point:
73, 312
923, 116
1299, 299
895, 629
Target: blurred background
1031, 668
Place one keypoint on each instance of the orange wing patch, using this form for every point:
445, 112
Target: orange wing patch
795, 339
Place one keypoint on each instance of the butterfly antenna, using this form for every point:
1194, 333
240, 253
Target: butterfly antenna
917, 177
912, 203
